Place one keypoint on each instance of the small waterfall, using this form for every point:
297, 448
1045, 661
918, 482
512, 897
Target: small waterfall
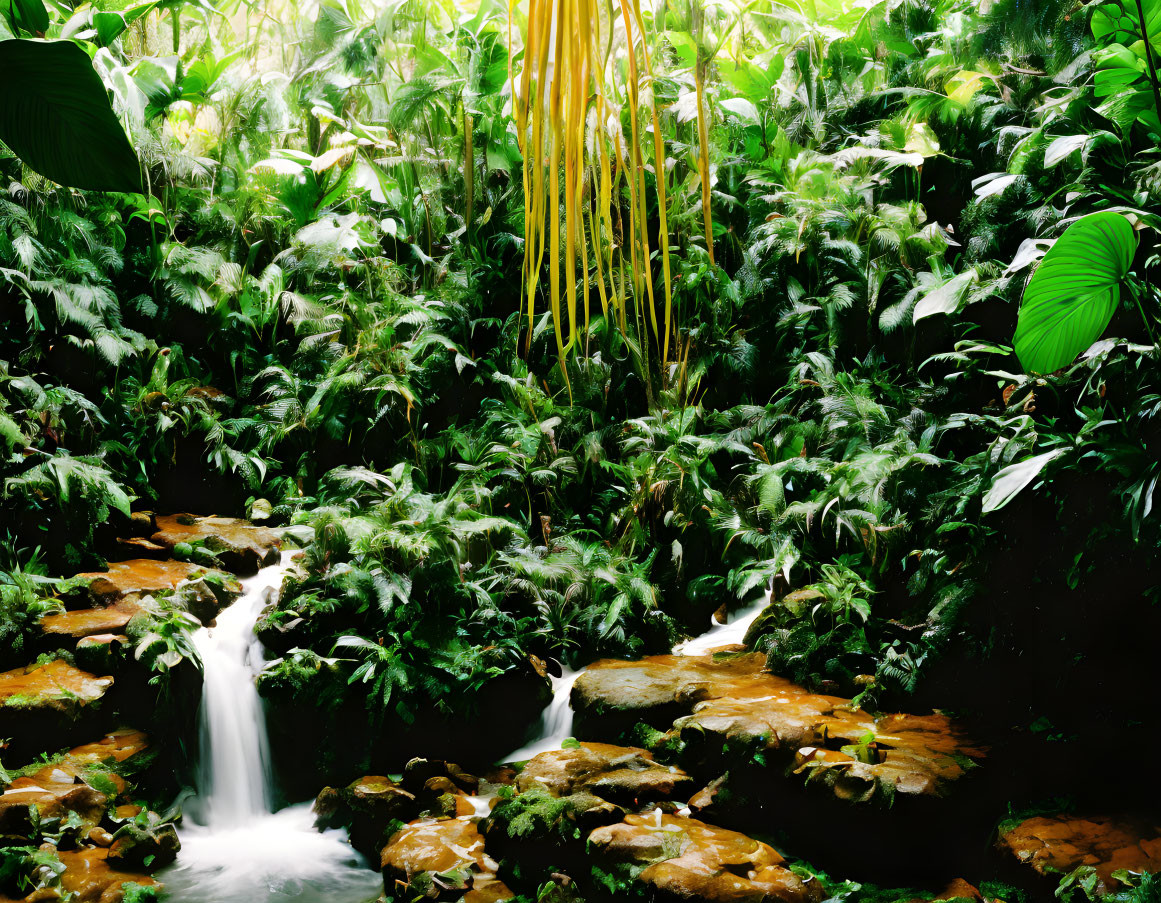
728, 634
556, 721
235, 848
234, 778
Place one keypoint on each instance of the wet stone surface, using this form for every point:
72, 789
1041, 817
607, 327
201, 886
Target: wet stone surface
56, 686
142, 577
241, 546
619, 774
1060, 843
710, 704
444, 858
686, 859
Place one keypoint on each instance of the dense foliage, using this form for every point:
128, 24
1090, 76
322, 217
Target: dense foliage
313, 316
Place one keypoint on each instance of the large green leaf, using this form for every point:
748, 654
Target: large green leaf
29, 15
1074, 292
60, 122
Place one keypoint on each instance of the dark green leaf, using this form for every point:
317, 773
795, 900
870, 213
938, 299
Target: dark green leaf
61, 123
28, 15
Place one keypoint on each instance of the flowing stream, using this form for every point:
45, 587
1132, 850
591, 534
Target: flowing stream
556, 721
235, 848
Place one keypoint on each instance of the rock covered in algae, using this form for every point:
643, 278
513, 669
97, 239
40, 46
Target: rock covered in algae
238, 544
678, 858
442, 859
711, 704
1061, 843
616, 773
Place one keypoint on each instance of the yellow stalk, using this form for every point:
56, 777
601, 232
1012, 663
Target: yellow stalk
659, 172
563, 77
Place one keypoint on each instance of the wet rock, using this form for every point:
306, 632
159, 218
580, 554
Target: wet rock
143, 577
959, 890
55, 687
1060, 843
468, 783
142, 524
91, 878
66, 785
733, 702
445, 805
86, 622
366, 808
704, 800
441, 860
102, 652
685, 859
241, 546
617, 773
144, 848
546, 833
140, 547
440, 785
99, 837
79, 782
417, 772
198, 598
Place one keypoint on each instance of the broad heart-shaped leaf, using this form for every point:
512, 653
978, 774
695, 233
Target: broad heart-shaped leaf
59, 121
1074, 292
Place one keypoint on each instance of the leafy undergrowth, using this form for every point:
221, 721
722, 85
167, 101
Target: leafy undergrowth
313, 315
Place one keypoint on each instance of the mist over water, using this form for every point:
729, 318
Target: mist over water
235, 849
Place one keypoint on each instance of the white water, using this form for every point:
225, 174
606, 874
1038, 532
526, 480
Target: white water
556, 721
733, 631
235, 849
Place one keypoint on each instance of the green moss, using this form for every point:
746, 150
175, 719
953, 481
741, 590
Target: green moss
140, 893
535, 814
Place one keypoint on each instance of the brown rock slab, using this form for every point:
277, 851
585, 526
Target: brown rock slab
87, 622
91, 878
140, 547
1061, 843
56, 686
240, 545
451, 847
60, 787
686, 859
138, 576
619, 774
49, 706
733, 700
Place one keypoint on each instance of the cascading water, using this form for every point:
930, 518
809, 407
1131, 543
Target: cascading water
733, 631
235, 849
556, 721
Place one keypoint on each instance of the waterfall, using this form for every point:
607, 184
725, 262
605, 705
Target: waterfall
556, 721
234, 777
235, 848
728, 634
